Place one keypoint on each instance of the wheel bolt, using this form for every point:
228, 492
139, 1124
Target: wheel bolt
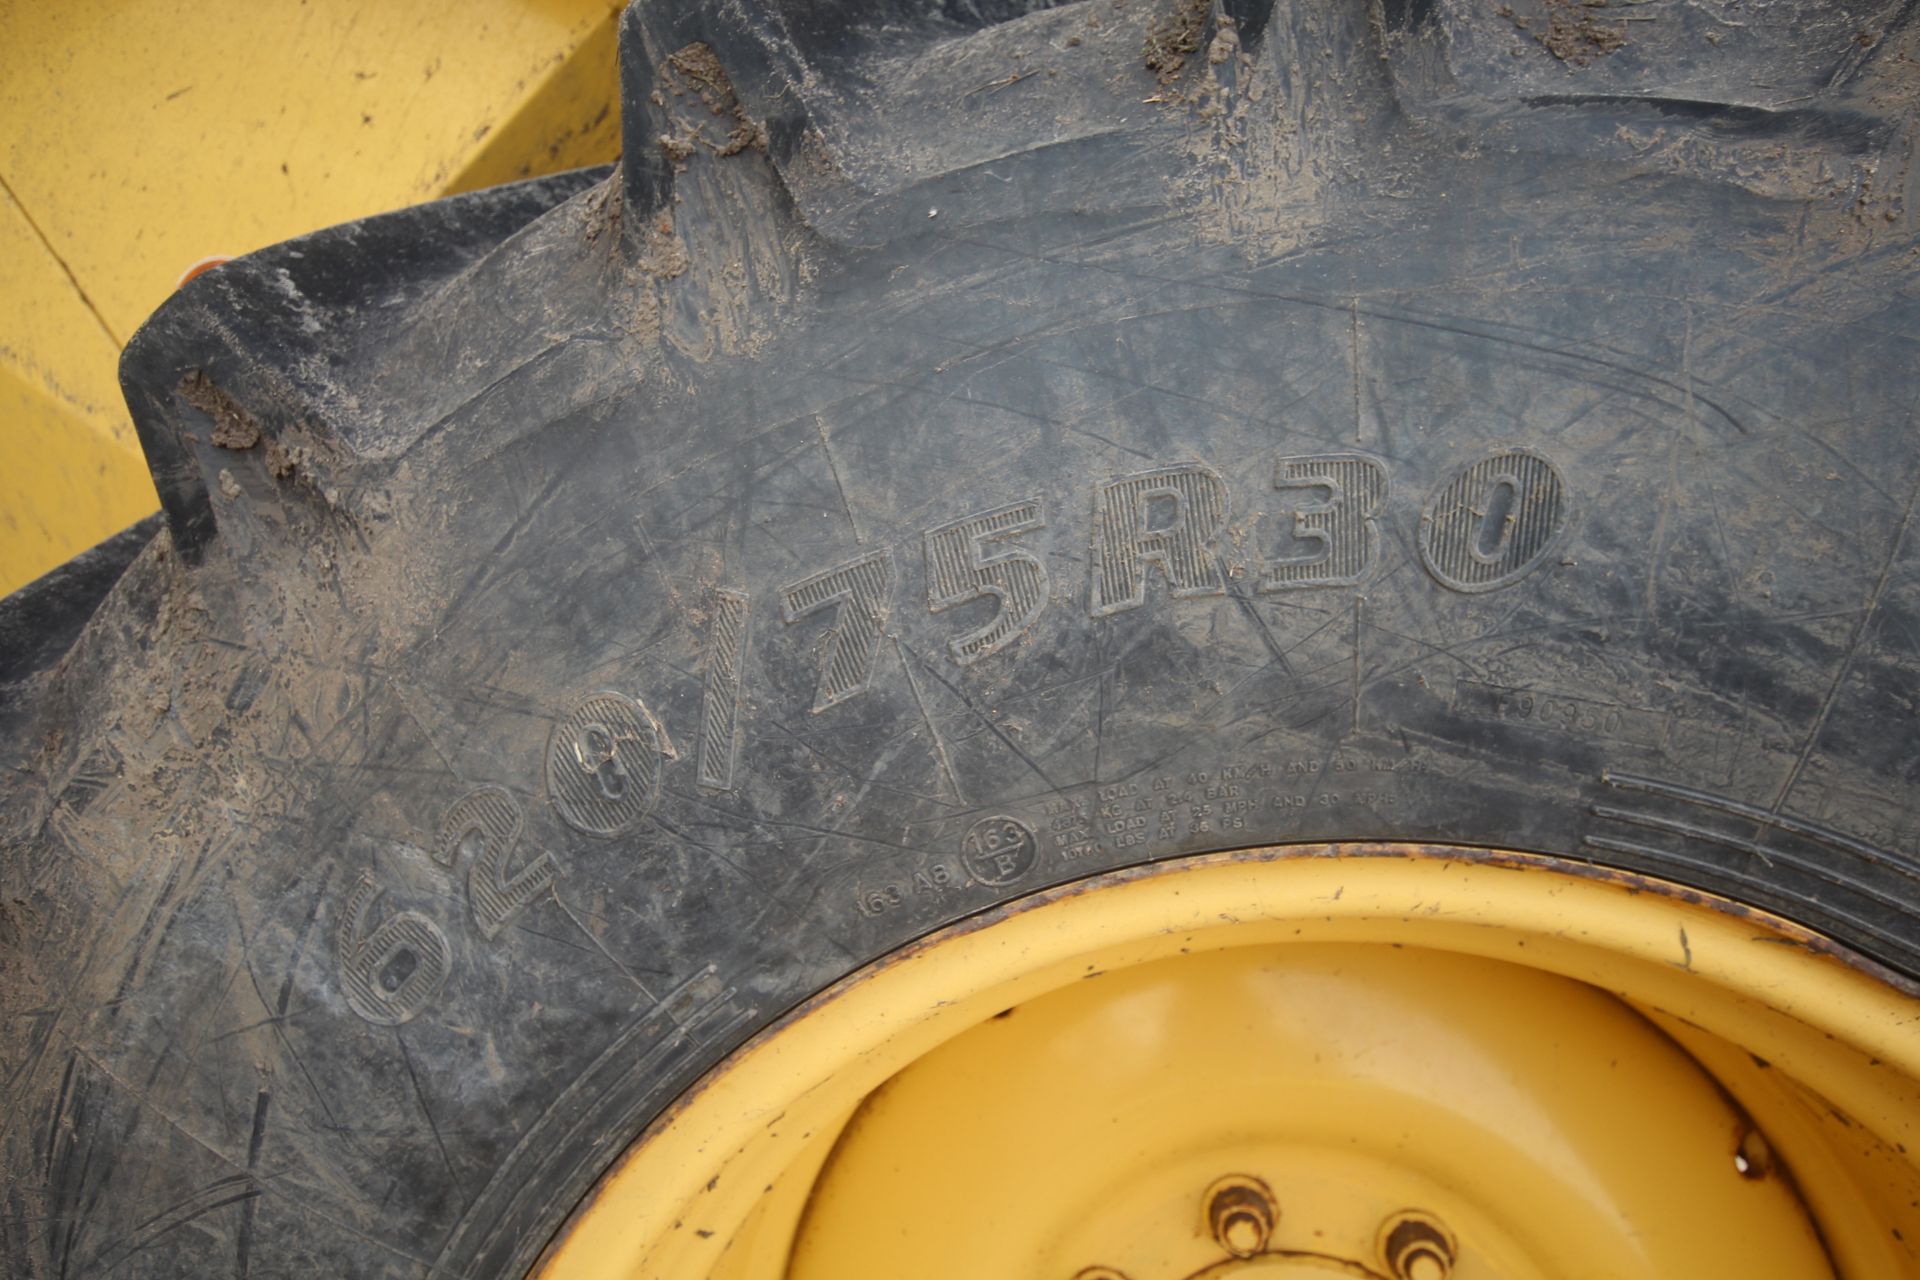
1416, 1247
1240, 1214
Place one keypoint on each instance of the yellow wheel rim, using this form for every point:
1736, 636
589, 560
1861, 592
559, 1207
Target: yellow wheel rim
1369, 1060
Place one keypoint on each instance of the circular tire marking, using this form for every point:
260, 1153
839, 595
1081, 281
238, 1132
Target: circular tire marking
999, 850
603, 764
1495, 521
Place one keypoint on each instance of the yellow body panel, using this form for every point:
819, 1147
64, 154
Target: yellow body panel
138, 138
71, 471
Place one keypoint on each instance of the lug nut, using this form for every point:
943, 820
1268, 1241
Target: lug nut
1240, 1214
1416, 1247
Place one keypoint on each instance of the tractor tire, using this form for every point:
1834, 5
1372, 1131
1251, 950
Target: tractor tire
959, 452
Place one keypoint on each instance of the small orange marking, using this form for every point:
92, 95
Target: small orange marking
201, 267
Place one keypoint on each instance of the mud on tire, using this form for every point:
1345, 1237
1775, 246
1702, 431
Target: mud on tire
950, 457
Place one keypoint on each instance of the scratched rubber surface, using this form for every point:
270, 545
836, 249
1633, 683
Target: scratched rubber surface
957, 454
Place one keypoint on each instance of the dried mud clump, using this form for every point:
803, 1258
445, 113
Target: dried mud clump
1574, 34
233, 426
1172, 37
605, 207
695, 72
283, 462
663, 255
